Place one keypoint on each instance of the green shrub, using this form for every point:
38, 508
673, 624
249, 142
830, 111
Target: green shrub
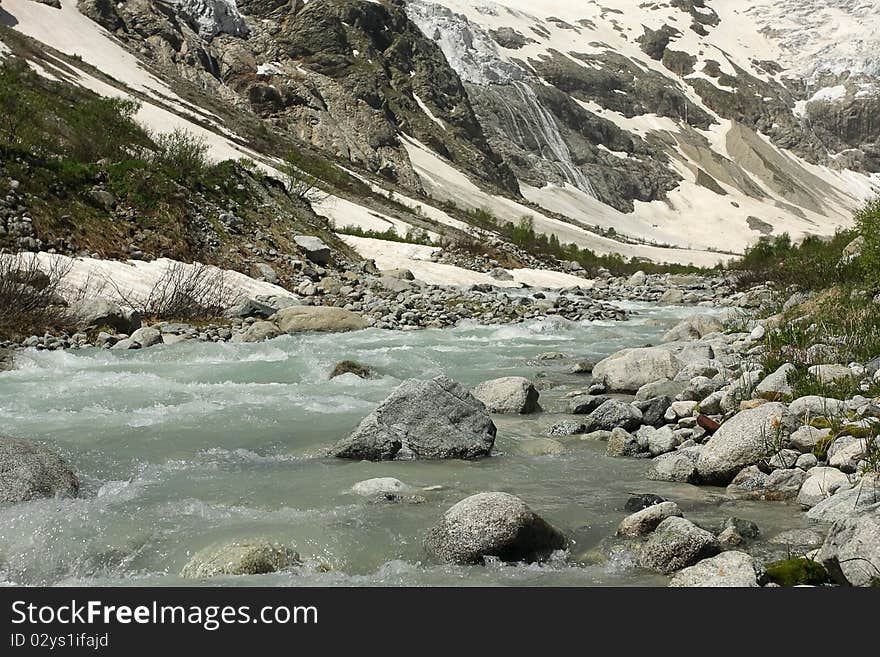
182, 154
868, 223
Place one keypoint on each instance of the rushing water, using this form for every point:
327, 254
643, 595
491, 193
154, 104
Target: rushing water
182, 446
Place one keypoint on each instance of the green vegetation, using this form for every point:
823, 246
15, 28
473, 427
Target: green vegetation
413, 235
797, 571
523, 235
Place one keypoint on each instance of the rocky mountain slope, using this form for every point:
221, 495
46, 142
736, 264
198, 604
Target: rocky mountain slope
676, 131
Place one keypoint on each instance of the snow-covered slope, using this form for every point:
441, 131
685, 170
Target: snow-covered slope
673, 130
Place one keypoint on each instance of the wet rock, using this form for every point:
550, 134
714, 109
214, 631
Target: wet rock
29, 472
352, 367
614, 414
679, 466
797, 571
510, 394
434, 419
676, 544
585, 404
654, 410
378, 485
258, 332
728, 569
642, 501
630, 369
645, 521
496, 525
566, 428
622, 443
239, 558
742, 441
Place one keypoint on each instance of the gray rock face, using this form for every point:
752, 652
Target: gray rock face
846, 452
659, 441
654, 410
314, 248
630, 369
613, 414
679, 466
741, 441
29, 472
213, 17
434, 419
297, 319
99, 313
510, 394
728, 569
851, 553
676, 544
239, 558
645, 521
496, 525
251, 308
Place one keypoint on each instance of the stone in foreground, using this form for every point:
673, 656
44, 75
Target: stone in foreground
434, 419
729, 569
496, 525
29, 472
851, 553
509, 394
743, 440
239, 558
676, 544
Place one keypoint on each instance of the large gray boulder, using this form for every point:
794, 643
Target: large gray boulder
728, 569
496, 525
434, 419
314, 247
614, 414
743, 440
678, 466
851, 553
29, 472
630, 369
645, 521
676, 544
297, 319
239, 558
97, 313
509, 394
